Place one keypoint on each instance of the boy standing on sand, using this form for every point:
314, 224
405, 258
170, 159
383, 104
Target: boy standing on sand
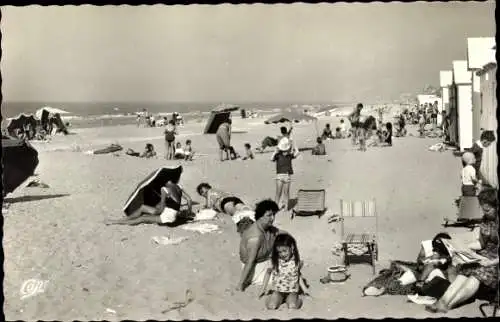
354, 119
283, 155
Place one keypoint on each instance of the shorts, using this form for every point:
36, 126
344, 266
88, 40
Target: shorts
168, 215
284, 177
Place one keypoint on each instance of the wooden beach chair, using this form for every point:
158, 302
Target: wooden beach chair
310, 203
359, 227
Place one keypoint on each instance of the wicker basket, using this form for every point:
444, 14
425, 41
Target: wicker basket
337, 273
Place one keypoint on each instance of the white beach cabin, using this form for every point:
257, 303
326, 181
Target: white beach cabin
488, 119
462, 96
445, 81
479, 53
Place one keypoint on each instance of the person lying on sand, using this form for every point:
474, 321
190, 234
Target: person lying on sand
267, 142
166, 211
256, 245
224, 202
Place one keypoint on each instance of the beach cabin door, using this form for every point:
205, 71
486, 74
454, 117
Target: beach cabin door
453, 115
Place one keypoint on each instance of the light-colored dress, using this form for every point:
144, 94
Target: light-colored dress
286, 280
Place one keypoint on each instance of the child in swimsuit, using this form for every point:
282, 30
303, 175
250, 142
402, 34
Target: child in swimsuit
285, 274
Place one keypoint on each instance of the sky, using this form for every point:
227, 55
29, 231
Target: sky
240, 53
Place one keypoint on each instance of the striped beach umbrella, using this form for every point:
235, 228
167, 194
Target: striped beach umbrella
148, 191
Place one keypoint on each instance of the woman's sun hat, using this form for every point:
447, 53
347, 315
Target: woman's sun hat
284, 144
468, 158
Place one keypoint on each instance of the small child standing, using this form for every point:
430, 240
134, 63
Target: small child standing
285, 274
248, 152
469, 177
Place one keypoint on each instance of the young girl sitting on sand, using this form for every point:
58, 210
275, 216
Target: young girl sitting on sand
469, 176
188, 151
285, 273
149, 151
248, 152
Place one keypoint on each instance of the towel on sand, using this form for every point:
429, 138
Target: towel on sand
201, 228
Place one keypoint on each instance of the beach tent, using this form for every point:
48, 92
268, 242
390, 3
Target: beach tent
20, 160
148, 191
20, 121
48, 109
218, 116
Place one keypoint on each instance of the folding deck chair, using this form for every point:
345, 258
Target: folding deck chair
361, 229
310, 202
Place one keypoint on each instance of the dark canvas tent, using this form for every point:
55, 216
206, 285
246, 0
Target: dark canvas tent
20, 160
19, 122
217, 117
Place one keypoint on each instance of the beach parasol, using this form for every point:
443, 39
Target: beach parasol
148, 191
52, 110
218, 115
20, 160
292, 117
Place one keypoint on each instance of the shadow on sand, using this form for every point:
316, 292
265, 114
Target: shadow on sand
33, 198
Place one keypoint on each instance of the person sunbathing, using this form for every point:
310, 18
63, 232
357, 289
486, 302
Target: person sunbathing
224, 202
167, 211
267, 142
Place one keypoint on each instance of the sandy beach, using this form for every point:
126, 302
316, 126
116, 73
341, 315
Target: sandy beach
57, 234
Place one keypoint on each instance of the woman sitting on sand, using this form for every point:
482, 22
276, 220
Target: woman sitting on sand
469, 280
256, 245
166, 211
223, 202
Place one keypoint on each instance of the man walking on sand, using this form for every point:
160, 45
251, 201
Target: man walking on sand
256, 245
354, 119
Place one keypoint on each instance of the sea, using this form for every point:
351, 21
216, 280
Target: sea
97, 114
